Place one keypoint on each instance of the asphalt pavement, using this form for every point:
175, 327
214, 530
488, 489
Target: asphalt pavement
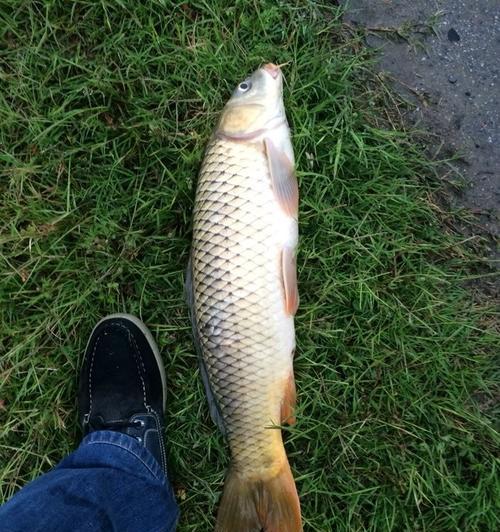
444, 55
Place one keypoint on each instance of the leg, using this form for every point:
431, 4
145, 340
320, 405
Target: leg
110, 482
117, 478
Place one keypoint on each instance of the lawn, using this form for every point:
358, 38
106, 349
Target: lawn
105, 110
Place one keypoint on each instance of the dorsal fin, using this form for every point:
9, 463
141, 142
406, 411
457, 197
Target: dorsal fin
213, 405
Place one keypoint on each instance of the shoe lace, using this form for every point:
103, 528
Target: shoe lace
118, 424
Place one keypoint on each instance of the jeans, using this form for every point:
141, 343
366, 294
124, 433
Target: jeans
110, 483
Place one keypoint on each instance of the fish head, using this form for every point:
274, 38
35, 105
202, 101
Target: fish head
256, 104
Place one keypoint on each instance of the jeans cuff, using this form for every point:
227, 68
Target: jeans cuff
129, 444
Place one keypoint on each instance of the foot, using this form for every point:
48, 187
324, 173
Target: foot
122, 383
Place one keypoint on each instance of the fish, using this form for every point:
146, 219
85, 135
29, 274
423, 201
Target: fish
242, 290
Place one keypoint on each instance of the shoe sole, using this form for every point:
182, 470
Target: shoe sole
151, 341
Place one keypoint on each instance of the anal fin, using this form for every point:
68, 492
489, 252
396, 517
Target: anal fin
289, 401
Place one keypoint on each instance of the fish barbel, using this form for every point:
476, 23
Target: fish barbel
243, 289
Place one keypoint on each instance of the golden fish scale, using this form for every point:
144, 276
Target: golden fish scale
243, 329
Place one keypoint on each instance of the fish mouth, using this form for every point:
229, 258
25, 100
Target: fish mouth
272, 69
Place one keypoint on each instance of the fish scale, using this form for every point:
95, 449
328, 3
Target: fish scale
244, 332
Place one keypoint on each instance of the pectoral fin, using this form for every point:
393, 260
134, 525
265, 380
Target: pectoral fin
283, 179
289, 276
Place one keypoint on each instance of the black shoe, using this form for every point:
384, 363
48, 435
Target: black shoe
122, 383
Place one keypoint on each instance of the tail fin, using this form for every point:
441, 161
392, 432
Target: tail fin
271, 505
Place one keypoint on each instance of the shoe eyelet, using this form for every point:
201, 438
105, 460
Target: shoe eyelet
139, 439
140, 422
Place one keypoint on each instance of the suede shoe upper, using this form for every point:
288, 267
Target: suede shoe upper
122, 383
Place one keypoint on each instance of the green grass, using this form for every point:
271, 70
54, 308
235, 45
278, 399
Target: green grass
105, 109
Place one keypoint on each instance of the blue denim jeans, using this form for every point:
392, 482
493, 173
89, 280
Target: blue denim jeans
110, 483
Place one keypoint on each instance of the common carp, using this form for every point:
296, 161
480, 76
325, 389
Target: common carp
242, 286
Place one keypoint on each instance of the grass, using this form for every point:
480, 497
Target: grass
105, 109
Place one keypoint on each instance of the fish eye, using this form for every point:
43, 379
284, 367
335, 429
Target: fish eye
245, 86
